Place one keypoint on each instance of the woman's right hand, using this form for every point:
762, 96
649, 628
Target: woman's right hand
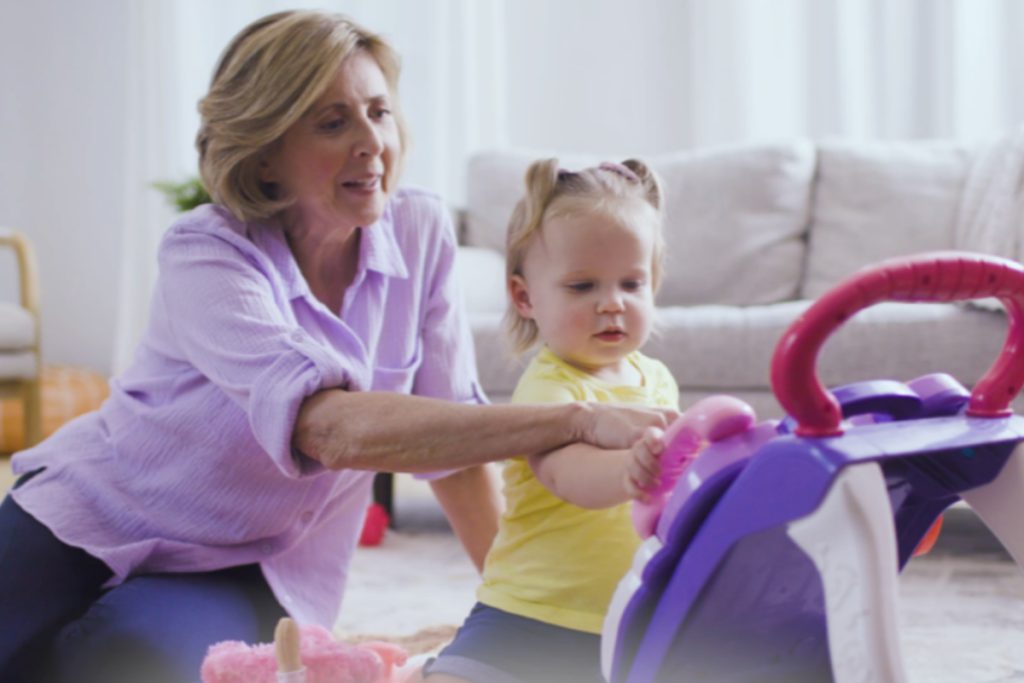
614, 426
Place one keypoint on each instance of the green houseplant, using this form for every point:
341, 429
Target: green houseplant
185, 195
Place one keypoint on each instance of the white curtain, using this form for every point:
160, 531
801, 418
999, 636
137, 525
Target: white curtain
600, 76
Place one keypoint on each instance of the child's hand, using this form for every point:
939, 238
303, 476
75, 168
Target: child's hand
643, 466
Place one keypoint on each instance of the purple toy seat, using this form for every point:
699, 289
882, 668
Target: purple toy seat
775, 559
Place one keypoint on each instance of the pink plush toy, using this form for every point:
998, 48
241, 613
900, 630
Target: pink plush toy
309, 654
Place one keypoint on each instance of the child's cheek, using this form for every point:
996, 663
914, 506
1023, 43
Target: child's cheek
578, 318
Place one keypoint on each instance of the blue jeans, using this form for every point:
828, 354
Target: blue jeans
57, 623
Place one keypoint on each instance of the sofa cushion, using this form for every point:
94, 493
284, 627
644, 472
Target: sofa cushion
887, 341
17, 328
875, 201
734, 217
714, 349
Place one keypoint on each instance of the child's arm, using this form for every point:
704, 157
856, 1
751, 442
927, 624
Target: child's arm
593, 478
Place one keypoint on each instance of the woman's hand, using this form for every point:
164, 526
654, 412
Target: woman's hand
615, 426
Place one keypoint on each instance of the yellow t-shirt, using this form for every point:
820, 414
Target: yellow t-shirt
551, 560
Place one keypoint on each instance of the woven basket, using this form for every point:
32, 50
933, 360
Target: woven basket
67, 392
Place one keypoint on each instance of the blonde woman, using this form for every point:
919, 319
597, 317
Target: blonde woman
305, 332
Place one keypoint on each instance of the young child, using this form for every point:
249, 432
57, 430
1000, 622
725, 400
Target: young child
583, 262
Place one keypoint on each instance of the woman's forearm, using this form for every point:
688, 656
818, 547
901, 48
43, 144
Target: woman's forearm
390, 432
399, 433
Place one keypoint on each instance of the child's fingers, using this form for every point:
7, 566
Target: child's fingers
646, 453
643, 471
634, 491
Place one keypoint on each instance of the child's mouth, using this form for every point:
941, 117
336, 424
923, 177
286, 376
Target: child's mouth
611, 335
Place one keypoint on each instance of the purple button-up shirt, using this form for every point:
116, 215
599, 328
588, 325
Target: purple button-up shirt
188, 466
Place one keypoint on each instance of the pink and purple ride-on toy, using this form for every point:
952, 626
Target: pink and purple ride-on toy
775, 557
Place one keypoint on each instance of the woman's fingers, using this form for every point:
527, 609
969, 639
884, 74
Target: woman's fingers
617, 426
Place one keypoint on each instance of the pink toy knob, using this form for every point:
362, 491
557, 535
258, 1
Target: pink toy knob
936, 276
711, 419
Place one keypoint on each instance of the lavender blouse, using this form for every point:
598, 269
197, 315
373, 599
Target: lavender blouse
188, 466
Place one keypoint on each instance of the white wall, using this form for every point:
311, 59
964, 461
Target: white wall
618, 91
597, 76
61, 163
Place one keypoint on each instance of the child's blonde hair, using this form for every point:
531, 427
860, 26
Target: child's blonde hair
615, 189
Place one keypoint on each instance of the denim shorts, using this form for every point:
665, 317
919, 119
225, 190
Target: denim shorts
493, 646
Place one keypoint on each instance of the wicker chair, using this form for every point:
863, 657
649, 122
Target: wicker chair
20, 363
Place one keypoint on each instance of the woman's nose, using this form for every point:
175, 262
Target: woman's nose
368, 142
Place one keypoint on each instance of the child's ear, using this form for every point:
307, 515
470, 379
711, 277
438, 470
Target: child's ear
519, 293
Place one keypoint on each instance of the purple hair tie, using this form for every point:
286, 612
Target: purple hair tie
620, 169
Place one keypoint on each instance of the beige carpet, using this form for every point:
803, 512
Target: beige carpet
961, 607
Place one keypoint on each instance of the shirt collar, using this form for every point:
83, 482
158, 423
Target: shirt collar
378, 251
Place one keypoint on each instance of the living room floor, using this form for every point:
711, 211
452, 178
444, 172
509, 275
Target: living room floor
961, 609
961, 606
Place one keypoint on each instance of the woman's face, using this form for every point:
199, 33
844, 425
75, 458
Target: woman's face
334, 160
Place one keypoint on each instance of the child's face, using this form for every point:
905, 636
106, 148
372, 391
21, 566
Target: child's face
587, 284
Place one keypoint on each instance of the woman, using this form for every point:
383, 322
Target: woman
305, 333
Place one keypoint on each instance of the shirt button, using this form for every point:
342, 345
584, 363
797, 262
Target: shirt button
306, 517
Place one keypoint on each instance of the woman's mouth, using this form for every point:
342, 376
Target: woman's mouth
369, 184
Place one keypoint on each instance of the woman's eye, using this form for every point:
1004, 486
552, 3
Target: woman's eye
381, 113
580, 287
332, 125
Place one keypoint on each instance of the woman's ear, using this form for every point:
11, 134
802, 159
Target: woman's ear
519, 293
267, 174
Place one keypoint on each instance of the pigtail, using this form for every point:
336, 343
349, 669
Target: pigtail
541, 180
648, 180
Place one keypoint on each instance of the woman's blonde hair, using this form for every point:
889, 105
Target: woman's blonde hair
617, 189
271, 74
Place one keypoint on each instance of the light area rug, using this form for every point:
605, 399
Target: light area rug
961, 616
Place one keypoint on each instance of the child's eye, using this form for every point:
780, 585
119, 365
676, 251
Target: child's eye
632, 285
580, 287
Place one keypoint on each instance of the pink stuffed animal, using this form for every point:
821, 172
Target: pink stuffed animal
309, 654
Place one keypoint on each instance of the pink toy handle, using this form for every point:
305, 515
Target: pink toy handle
710, 419
935, 276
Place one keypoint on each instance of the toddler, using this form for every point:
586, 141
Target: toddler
584, 257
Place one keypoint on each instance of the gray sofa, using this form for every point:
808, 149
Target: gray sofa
754, 233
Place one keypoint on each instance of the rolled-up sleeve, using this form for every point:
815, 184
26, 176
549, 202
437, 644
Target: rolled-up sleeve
448, 369
230, 318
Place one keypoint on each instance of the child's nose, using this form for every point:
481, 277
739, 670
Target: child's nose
610, 302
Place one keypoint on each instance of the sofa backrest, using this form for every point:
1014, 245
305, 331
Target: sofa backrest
878, 200
760, 223
735, 217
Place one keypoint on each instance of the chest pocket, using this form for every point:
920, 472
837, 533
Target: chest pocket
399, 377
